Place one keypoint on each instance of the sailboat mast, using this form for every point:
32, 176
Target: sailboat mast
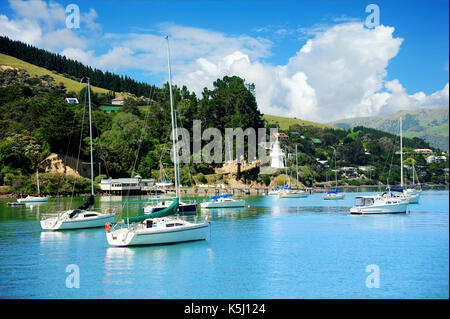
90, 137
37, 180
296, 164
175, 160
401, 154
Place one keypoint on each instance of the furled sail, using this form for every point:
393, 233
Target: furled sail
171, 210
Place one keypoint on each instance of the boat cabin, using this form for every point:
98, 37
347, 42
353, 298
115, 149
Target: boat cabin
364, 201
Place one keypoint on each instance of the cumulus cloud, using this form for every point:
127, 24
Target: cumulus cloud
338, 73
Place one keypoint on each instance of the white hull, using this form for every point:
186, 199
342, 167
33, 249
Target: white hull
294, 195
33, 199
225, 204
151, 236
80, 222
273, 193
381, 209
333, 196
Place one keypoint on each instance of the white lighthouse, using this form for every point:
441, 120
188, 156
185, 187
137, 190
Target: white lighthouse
276, 155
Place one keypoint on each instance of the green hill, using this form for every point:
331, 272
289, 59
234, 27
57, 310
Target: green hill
285, 122
33, 70
428, 124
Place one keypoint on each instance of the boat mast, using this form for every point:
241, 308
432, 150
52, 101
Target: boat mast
90, 137
296, 164
401, 155
37, 179
175, 160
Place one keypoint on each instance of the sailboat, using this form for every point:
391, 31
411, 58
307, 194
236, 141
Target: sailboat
410, 195
386, 203
334, 193
36, 198
81, 217
158, 227
287, 191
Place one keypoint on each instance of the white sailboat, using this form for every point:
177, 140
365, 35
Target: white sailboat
289, 192
386, 203
334, 193
80, 217
413, 197
222, 201
158, 227
34, 198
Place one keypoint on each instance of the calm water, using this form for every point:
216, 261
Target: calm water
276, 248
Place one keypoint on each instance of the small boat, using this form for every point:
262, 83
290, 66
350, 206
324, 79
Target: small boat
293, 193
333, 195
223, 201
376, 204
15, 204
274, 191
78, 218
34, 198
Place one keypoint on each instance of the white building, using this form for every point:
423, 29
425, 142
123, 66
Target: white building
277, 156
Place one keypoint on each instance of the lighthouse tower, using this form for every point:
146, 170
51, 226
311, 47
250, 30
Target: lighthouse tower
276, 155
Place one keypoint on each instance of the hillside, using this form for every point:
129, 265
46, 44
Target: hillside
285, 122
33, 70
428, 124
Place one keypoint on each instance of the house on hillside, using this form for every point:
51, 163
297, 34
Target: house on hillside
424, 151
72, 100
281, 135
118, 100
316, 141
110, 109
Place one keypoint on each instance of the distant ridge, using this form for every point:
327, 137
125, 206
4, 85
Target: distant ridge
429, 124
285, 122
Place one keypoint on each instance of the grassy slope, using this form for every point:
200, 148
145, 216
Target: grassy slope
429, 124
285, 122
33, 70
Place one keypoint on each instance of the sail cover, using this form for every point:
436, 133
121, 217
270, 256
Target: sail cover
88, 203
221, 196
171, 210
335, 191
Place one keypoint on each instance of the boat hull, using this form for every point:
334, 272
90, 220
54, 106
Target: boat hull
124, 237
55, 224
33, 200
238, 203
295, 195
387, 209
334, 197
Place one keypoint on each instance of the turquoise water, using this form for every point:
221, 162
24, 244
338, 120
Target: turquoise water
276, 248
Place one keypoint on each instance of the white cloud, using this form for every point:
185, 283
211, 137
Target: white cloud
339, 72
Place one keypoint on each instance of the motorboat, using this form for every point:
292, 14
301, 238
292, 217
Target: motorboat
376, 204
222, 201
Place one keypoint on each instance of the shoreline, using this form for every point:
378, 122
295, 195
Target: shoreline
207, 191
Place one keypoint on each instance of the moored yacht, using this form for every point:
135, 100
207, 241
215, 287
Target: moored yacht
376, 204
223, 201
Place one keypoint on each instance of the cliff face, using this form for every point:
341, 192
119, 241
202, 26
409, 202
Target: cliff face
55, 164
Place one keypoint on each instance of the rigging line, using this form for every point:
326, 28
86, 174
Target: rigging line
79, 147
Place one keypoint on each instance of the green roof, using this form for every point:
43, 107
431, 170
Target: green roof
316, 141
111, 108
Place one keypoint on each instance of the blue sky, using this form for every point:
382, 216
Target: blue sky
402, 65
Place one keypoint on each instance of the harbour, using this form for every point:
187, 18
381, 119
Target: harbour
272, 248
